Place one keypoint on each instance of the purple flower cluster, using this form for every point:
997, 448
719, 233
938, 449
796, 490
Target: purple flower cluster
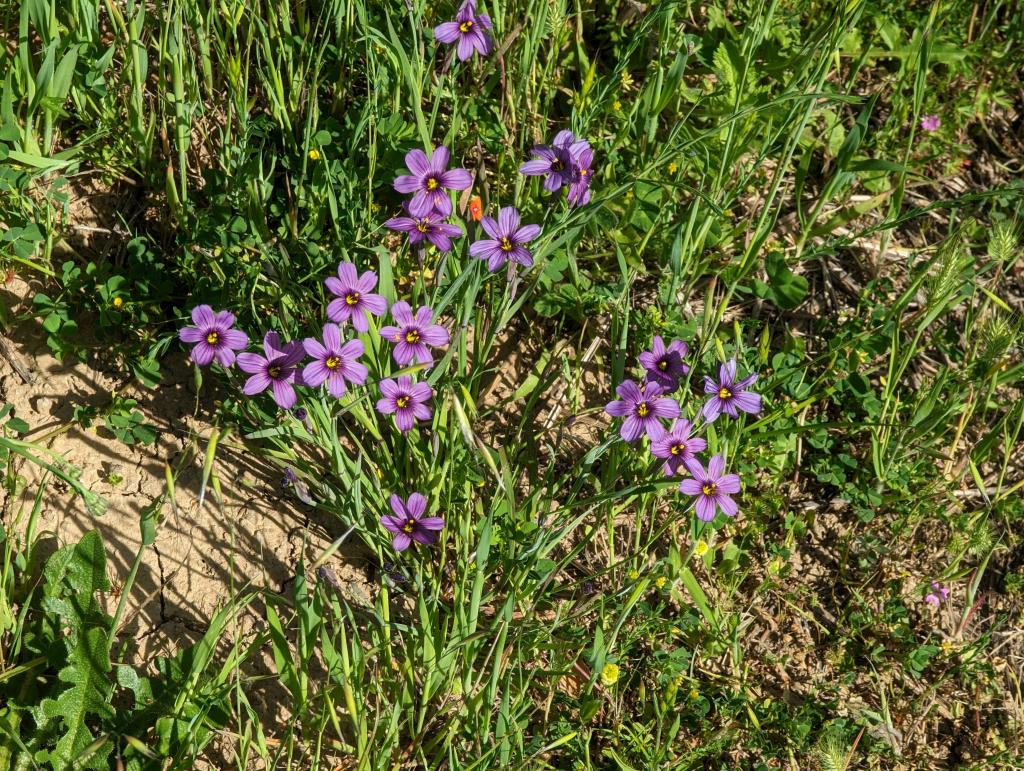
332, 361
283, 366
644, 406
429, 181
567, 161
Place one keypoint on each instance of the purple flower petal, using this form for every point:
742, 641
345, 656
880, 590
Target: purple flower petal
203, 317
284, 394
632, 428
705, 508
252, 363
448, 32
258, 383
727, 505
203, 353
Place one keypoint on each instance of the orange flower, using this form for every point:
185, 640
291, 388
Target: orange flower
476, 208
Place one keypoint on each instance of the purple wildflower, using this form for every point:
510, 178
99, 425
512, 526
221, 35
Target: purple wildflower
937, 595
406, 399
553, 162
413, 334
506, 240
930, 122
213, 336
408, 523
276, 370
643, 407
711, 487
728, 394
665, 366
677, 447
432, 227
289, 477
333, 361
429, 182
354, 300
468, 29
579, 188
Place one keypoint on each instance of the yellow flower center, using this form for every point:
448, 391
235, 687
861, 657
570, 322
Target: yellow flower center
643, 410
466, 26
506, 245
212, 337
423, 226
724, 393
274, 371
663, 365
352, 298
409, 526
402, 401
557, 165
332, 362
709, 488
584, 172
677, 449
412, 336
432, 183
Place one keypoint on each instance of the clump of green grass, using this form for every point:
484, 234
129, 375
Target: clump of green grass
748, 199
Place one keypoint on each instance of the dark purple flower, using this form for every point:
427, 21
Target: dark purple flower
408, 523
406, 399
333, 361
213, 336
554, 163
354, 300
711, 487
413, 334
506, 240
582, 158
432, 227
728, 395
277, 370
643, 407
468, 29
430, 181
937, 595
665, 366
677, 446
930, 122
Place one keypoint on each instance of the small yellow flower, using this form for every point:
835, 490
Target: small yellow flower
616, 105
472, 565
633, 574
660, 582
947, 646
427, 274
701, 547
627, 80
629, 195
118, 302
673, 167
694, 694
610, 674
314, 154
